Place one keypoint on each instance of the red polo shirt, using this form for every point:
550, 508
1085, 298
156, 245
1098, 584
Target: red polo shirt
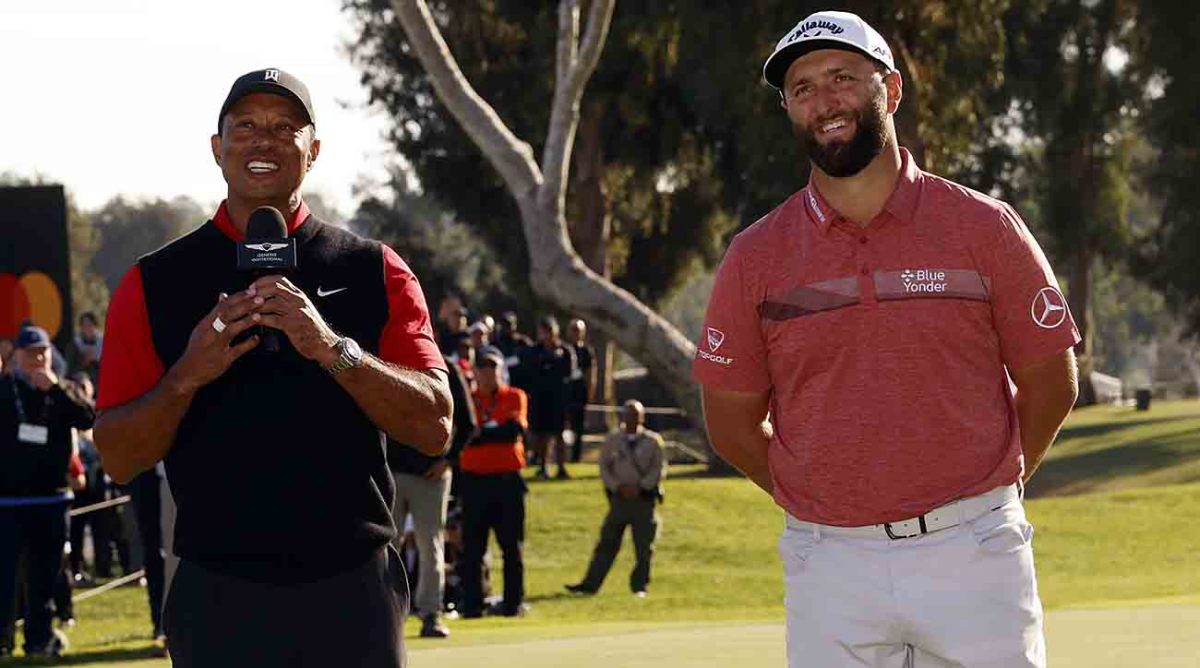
132, 367
885, 347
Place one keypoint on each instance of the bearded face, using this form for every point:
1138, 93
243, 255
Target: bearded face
840, 157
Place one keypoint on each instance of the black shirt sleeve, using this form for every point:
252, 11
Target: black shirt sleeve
71, 410
465, 420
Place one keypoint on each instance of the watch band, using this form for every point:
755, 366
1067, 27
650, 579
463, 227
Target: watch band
340, 365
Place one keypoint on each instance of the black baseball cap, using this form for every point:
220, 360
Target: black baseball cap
269, 80
33, 337
489, 355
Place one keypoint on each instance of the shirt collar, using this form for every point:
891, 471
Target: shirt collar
902, 203
225, 223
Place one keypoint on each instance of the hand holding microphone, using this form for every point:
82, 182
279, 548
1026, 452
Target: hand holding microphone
267, 251
268, 254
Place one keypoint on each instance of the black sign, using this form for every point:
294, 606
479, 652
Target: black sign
35, 269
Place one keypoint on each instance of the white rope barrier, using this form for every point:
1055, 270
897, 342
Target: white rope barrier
75, 512
108, 586
654, 410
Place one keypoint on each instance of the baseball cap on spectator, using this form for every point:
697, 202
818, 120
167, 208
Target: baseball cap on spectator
488, 356
826, 30
33, 337
270, 80
480, 327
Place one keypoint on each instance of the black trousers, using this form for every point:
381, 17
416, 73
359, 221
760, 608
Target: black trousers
39, 531
147, 502
492, 503
576, 418
103, 523
354, 618
641, 516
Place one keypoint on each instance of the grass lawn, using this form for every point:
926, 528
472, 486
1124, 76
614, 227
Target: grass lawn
1116, 508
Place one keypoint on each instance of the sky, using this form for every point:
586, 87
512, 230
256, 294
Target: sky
115, 97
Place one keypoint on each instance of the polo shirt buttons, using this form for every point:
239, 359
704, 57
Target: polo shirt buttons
864, 271
862, 239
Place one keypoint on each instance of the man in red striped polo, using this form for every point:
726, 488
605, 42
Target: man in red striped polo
888, 354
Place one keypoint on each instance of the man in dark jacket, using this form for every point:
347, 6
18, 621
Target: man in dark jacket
37, 415
549, 365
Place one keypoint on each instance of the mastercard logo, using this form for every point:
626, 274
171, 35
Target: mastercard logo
34, 297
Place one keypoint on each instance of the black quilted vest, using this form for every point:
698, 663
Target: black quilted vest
278, 475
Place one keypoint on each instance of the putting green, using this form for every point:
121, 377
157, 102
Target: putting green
1162, 636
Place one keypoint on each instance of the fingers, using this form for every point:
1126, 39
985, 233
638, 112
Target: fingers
270, 319
230, 309
235, 328
243, 348
269, 287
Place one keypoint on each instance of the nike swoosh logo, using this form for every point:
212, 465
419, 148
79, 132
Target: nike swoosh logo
326, 293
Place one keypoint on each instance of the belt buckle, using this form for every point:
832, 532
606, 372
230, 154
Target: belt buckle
922, 529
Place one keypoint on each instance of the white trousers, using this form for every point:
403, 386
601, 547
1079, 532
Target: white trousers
427, 500
963, 596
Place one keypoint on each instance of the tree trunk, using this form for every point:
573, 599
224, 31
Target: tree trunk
591, 228
557, 273
1080, 302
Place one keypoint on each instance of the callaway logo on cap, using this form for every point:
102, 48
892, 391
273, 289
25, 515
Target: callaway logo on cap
826, 30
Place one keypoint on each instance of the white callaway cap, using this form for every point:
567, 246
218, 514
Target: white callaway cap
826, 30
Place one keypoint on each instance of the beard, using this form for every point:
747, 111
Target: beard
847, 158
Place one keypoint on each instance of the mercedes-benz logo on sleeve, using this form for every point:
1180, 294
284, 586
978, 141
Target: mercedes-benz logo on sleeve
1049, 308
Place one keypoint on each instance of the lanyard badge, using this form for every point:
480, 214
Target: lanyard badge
34, 434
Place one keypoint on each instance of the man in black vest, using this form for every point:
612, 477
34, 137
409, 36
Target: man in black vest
265, 450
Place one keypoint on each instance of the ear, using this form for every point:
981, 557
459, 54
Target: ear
313, 151
894, 84
782, 100
215, 141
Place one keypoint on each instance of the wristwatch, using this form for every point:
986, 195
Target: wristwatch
350, 355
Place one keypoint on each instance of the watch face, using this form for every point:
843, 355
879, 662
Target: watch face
351, 349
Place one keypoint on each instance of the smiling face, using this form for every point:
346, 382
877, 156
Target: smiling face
840, 106
265, 149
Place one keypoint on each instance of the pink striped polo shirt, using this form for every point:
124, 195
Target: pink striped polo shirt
885, 348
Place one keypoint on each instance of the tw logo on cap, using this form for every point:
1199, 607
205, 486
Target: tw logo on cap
271, 75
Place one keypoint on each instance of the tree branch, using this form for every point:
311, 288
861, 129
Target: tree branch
511, 156
572, 77
568, 39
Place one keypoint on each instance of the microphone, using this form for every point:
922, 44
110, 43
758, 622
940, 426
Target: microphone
266, 250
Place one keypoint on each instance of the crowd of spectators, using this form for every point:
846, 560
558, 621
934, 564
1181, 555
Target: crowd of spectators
49, 466
520, 402
527, 404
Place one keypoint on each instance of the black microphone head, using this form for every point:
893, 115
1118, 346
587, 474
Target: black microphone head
266, 222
